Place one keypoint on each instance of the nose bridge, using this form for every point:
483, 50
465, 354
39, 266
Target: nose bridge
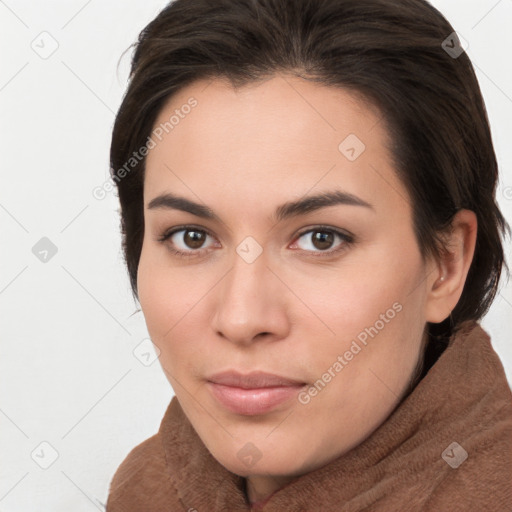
244, 288
249, 304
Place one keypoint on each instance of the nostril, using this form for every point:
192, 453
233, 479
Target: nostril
263, 333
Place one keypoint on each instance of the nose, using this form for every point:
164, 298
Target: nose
250, 304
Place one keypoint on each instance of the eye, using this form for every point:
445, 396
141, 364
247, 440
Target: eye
321, 240
186, 241
189, 241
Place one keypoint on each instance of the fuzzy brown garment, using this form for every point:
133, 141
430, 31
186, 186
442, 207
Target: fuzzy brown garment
464, 398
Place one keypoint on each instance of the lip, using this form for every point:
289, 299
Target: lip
254, 393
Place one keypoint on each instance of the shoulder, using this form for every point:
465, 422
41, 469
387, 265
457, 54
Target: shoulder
478, 437
142, 481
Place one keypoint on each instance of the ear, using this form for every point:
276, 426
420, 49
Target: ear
448, 273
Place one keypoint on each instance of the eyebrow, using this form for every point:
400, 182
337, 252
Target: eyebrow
285, 211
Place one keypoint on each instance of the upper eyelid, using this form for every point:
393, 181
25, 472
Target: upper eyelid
177, 229
320, 227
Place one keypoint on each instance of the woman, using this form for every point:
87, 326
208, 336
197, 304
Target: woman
309, 224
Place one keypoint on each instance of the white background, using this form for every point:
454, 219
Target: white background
69, 374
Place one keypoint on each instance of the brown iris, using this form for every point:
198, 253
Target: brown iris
323, 239
194, 239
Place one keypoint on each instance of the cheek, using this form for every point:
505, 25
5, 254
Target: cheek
165, 294
362, 292
374, 310
362, 370
158, 289
171, 302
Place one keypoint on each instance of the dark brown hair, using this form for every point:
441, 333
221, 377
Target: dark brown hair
401, 55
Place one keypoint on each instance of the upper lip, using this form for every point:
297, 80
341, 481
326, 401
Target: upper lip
252, 380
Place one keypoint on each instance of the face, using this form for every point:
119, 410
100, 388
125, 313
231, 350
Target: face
329, 294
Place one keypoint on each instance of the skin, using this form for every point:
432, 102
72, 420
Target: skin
243, 153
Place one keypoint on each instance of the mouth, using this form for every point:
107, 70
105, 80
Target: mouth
252, 394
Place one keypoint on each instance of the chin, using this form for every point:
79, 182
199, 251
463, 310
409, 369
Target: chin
249, 460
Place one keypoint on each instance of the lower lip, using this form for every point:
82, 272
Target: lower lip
251, 402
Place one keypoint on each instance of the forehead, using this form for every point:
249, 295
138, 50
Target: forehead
281, 137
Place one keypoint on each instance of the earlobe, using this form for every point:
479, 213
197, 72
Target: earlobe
446, 281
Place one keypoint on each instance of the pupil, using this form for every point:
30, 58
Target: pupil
322, 239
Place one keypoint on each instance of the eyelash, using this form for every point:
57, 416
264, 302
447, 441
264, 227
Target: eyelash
347, 239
